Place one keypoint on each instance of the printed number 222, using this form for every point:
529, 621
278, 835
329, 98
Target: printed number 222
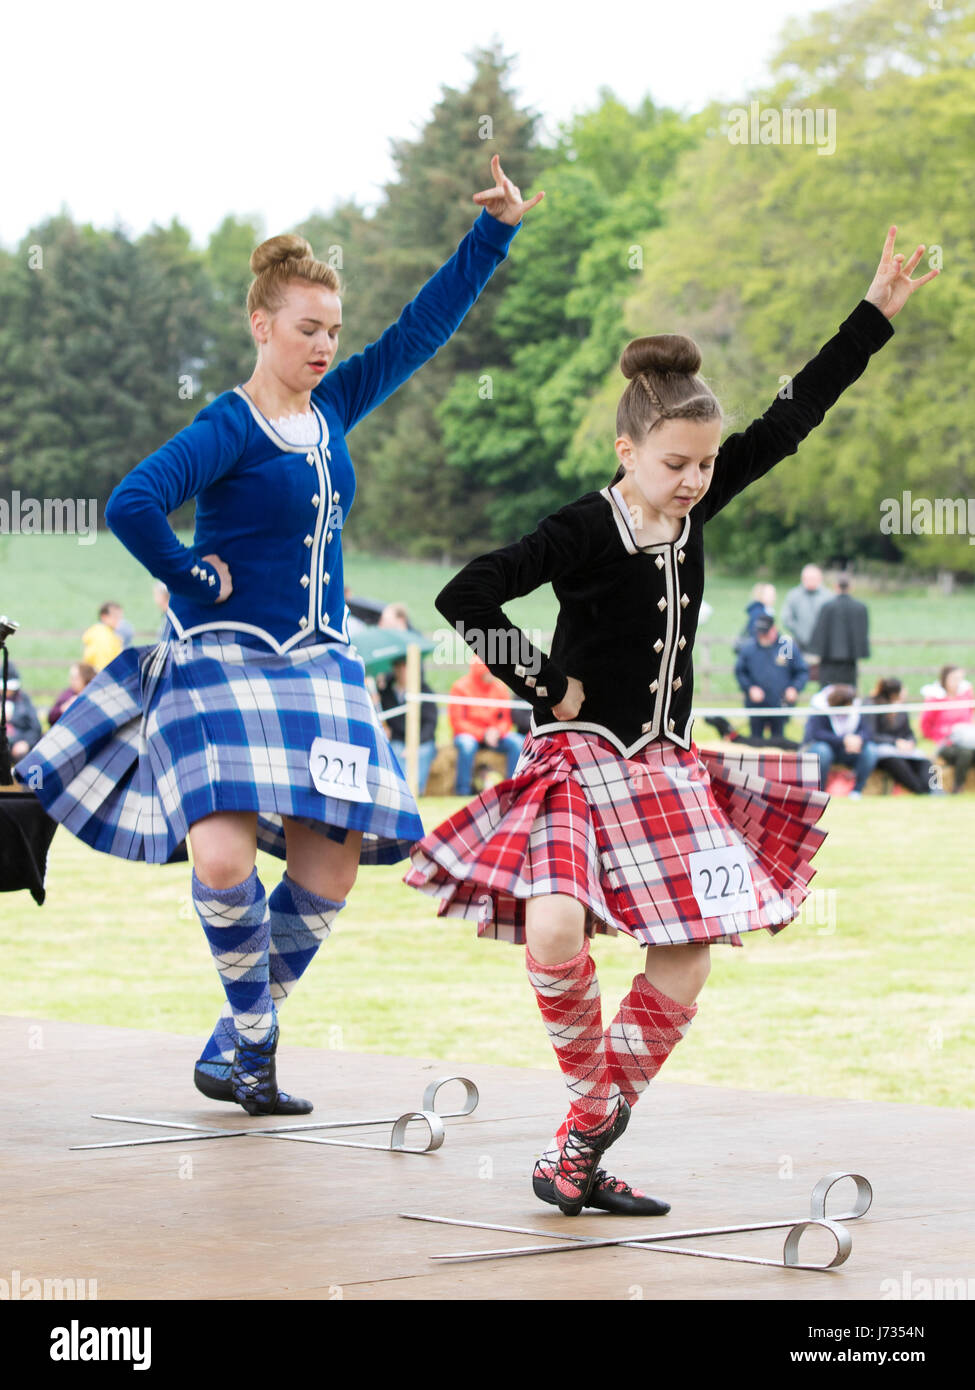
722, 869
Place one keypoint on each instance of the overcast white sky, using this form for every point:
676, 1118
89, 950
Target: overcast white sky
139, 112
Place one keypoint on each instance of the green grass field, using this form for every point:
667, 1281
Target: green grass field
874, 1003
867, 994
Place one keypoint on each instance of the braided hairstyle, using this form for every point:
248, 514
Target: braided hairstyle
662, 372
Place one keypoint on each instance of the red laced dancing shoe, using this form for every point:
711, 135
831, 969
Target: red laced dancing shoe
575, 1172
608, 1194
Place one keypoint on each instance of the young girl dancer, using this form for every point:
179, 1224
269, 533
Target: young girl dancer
252, 724
614, 819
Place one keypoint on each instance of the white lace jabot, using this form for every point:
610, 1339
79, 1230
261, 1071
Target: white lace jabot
298, 429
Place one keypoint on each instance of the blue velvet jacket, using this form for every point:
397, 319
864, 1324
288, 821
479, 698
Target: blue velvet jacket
274, 511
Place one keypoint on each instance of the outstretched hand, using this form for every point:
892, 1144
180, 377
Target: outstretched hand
892, 285
504, 201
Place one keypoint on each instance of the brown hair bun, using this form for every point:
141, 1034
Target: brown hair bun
665, 354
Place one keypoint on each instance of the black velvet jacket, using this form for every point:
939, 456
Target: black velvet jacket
627, 613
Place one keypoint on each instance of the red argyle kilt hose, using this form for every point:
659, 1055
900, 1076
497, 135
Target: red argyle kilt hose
616, 833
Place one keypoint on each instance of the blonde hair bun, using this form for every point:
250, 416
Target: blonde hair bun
278, 249
280, 261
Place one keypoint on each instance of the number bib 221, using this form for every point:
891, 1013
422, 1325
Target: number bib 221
339, 769
721, 880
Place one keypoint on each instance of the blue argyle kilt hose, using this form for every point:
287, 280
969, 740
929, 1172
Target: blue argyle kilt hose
167, 734
617, 834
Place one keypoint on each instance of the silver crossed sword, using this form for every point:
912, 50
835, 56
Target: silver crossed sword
428, 1114
790, 1255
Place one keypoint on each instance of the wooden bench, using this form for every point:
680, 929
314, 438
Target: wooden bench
488, 764
492, 765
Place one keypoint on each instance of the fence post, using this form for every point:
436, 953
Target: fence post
413, 718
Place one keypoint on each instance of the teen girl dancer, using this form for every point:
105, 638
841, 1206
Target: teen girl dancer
614, 819
251, 725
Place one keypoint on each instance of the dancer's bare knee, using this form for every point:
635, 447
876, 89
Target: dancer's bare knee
555, 928
679, 971
224, 848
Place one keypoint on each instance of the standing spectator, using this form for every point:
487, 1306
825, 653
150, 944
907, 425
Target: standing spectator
355, 624
771, 672
160, 597
840, 738
79, 675
395, 615
20, 716
521, 718
762, 605
102, 643
124, 629
951, 727
481, 726
802, 607
841, 637
892, 733
391, 686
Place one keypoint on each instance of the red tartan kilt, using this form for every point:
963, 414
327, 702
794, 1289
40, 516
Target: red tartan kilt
615, 833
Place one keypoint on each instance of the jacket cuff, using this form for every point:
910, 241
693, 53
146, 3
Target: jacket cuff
497, 234
199, 581
868, 326
547, 686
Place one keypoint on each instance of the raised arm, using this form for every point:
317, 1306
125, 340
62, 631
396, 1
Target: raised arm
138, 508
363, 381
747, 456
473, 598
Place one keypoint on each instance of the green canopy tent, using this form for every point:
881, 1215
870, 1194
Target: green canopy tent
379, 647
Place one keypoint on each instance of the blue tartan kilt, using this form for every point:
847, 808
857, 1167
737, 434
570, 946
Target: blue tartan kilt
168, 734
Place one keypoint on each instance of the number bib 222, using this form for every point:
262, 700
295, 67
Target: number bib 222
339, 769
721, 881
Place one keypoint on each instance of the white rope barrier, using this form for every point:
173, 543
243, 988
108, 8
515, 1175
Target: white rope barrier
746, 711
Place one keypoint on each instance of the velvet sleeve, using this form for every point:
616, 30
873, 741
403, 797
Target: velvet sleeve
137, 510
749, 455
472, 602
363, 381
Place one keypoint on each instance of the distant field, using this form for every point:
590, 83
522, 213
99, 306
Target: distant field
52, 582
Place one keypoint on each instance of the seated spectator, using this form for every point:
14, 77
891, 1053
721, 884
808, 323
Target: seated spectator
770, 671
20, 717
79, 675
481, 726
391, 686
102, 643
840, 738
953, 728
894, 737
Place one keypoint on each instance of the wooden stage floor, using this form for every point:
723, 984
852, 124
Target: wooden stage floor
252, 1218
